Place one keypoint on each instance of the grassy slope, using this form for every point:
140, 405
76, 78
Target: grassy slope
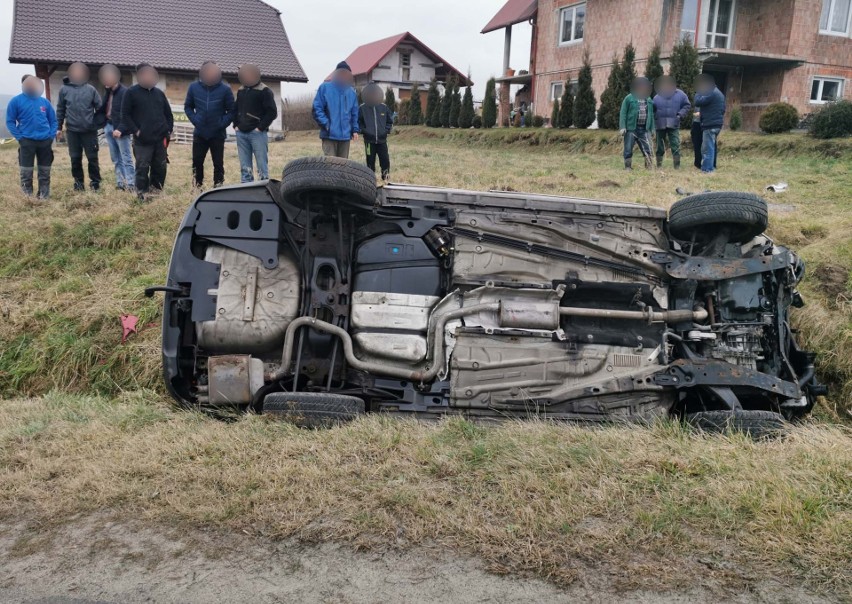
525, 496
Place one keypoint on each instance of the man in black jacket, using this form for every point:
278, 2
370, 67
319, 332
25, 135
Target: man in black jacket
254, 112
76, 111
119, 143
376, 121
146, 114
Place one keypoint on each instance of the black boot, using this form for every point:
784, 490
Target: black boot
27, 181
676, 162
628, 164
43, 182
659, 161
79, 185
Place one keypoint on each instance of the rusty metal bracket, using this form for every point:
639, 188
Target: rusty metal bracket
718, 269
687, 374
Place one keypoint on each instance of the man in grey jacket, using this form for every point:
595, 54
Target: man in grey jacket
76, 112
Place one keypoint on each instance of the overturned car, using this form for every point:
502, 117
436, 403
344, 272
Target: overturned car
321, 297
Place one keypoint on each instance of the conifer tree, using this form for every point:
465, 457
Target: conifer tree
554, 115
447, 101
489, 105
685, 68
654, 67
433, 99
455, 107
611, 98
415, 112
467, 110
584, 102
390, 100
566, 109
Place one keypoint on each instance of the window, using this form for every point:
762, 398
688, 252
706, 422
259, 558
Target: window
404, 59
720, 23
826, 90
571, 23
556, 90
834, 18
689, 20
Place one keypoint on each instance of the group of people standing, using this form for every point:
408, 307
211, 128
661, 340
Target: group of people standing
663, 113
138, 123
341, 119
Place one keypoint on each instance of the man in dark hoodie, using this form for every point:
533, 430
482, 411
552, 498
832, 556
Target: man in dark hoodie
76, 111
375, 121
146, 114
120, 150
254, 112
209, 106
711, 102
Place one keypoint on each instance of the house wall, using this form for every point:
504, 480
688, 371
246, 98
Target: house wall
389, 68
610, 25
788, 27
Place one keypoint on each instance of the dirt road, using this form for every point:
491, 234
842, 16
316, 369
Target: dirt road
101, 561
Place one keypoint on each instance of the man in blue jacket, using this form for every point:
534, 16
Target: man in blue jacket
711, 102
671, 106
209, 106
30, 118
336, 112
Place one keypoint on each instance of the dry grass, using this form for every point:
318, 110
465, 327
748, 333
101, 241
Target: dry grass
69, 269
651, 507
646, 506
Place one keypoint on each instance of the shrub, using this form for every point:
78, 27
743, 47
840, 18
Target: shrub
467, 110
554, 114
566, 110
779, 117
537, 121
477, 121
684, 68
433, 101
654, 67
415, 111
584, 102
403, 112
455, 107
390, 100
736, 118
832, 121
611, 99
489, 105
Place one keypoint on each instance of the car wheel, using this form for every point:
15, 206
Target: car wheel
327, 180
313, 409
697, 216
757, 424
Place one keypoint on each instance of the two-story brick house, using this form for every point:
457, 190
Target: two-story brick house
761, 51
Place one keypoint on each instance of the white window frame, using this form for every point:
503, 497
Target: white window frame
561, 14
829, 31
553, 85
707, 19
841, 83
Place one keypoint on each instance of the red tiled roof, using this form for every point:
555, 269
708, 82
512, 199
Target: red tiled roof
365, 58
514, 11
170, 34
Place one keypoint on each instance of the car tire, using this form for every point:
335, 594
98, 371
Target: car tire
313, 409
757, 424
696, 216
327, 180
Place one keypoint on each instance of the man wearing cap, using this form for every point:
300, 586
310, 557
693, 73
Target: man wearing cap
336, 112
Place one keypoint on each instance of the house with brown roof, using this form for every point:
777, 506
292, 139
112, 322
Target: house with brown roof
174, 36
399, 62
760, 51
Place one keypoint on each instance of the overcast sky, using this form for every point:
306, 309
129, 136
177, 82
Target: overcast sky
324, 32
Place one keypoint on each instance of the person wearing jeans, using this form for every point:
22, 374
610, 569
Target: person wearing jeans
77, 109
254, 112
120, 150
711, 103
209, 106
30, 118
671, 106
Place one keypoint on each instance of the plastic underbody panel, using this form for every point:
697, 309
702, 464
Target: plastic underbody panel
565, 290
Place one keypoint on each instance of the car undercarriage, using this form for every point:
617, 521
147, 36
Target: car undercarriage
320, 297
